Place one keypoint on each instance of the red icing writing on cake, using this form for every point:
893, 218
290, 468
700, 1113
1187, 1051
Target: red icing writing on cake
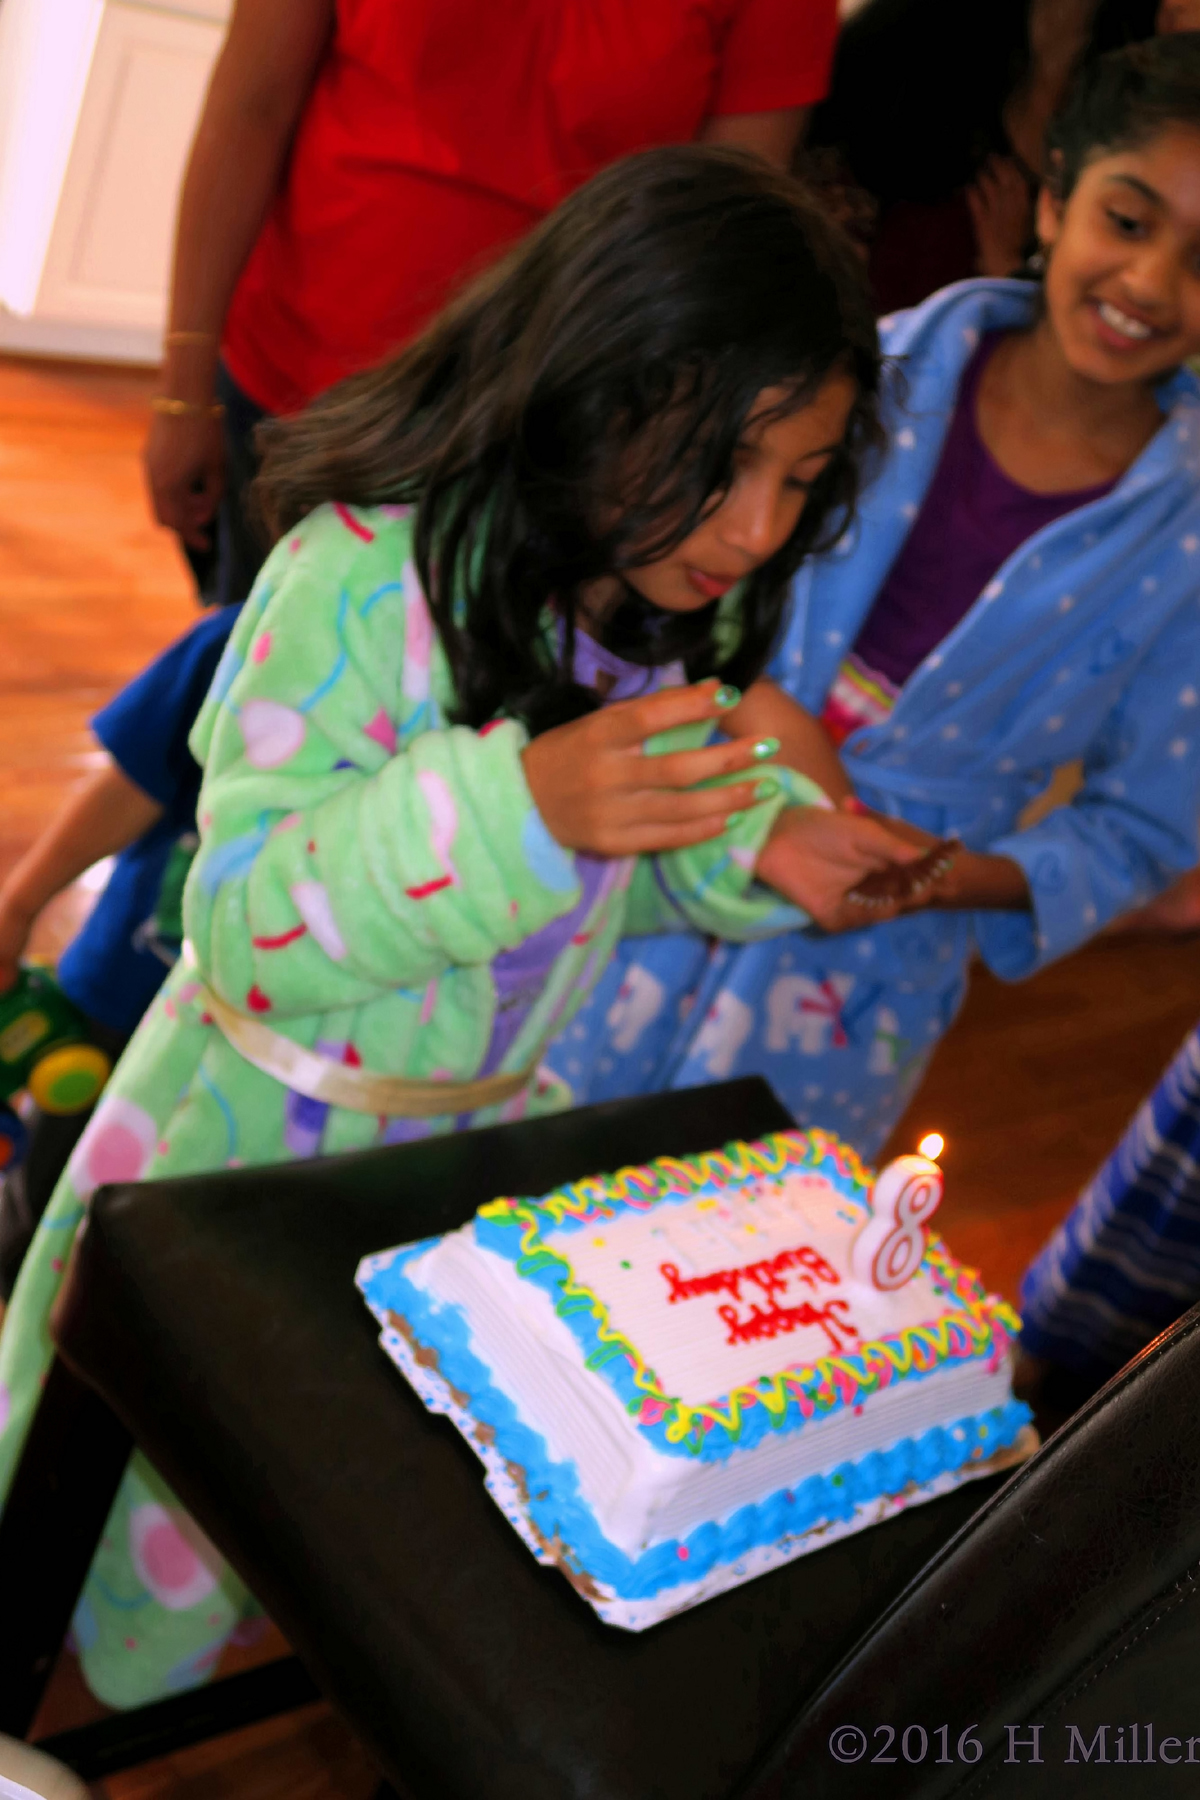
777, 1319
770, 1275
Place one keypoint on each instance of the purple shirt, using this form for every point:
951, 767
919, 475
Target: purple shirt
973, 517
520, 974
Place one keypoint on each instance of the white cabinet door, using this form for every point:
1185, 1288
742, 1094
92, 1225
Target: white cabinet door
108, 260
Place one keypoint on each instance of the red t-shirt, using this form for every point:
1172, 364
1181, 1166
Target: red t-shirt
439, 131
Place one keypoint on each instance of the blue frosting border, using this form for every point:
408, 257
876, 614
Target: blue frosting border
550, 1271
559, 1511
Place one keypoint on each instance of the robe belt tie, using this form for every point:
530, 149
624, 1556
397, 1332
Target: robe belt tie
358, 1090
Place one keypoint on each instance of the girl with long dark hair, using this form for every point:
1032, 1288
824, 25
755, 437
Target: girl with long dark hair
558, 528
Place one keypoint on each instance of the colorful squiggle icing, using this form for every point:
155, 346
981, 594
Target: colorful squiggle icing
974, 1324
561, 1514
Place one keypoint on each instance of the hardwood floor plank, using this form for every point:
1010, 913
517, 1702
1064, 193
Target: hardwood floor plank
90, 588
309, 1755
1035, 1083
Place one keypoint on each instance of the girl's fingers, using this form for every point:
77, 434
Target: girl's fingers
645, 840
667, 820
844, 916
670, 806
632, 721
901, 884
866, 838
686, 768
900, 828
844, 840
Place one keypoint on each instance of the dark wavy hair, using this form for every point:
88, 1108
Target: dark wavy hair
1123, 99
575, 412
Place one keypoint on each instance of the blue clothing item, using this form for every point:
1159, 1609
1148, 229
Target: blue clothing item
1125, 1262
226, 571
1085, 644
115, 966
972, 519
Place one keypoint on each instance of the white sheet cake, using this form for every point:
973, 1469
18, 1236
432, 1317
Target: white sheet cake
681, 1375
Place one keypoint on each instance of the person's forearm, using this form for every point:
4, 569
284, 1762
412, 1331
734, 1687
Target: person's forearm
257, 94
100, 818
766, 711
975, 880
228, 187
772, 135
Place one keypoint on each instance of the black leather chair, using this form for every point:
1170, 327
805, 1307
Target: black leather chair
218, 1319
1070, 1602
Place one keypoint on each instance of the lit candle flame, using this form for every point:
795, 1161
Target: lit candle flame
932, 1145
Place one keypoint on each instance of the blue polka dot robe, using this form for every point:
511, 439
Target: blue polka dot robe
1085, 646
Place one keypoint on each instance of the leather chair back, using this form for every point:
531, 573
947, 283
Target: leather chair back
1070, 1602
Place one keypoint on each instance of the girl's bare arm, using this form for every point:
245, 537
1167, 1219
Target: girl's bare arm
766, 711
103, 816
973, 878
771, 135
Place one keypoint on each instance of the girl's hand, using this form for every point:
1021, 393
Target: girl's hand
814, 857
184, 462
598, 791
957, 879
903, 888
908, 834
910, 886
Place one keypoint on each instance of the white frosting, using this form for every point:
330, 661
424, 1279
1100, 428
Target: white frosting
641, 1495
686, 1341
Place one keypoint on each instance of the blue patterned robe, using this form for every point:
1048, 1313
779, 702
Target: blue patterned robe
1125, 1262
1086, 644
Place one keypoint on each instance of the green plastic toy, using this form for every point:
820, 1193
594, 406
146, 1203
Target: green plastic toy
44, 1048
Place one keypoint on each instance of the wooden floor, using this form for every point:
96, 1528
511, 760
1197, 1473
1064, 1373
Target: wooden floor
90, 591
1030, 1088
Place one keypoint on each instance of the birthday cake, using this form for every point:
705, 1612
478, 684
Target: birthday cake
681, 1375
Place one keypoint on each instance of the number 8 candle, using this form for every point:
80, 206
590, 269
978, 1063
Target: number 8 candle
889, 1248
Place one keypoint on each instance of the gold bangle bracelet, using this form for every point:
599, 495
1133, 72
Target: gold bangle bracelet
190, 337
186, 409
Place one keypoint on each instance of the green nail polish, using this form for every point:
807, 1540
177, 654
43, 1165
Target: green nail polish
765, 747
734, 819
766, 790
725, 697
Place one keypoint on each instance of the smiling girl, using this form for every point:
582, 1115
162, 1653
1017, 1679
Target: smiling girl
1018, 591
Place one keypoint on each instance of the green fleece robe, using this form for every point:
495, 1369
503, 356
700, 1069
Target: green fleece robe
362, 865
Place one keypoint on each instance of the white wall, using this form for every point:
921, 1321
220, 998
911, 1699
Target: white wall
98, 104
